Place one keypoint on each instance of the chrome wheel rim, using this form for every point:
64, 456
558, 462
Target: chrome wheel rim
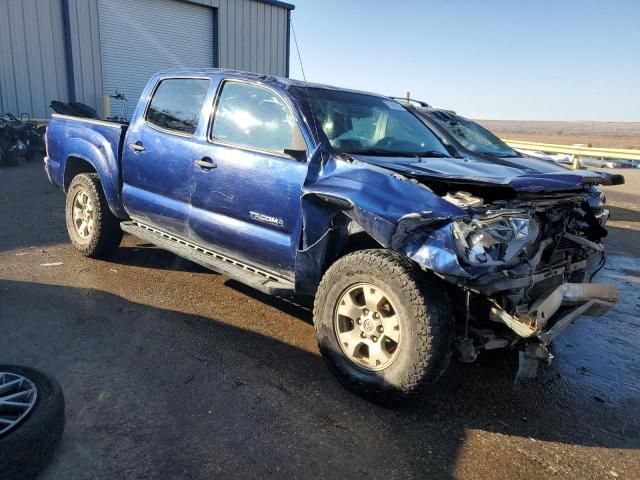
83, 214
367, 327
17, 397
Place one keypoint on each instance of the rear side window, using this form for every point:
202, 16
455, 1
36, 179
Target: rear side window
176, 104
255, 117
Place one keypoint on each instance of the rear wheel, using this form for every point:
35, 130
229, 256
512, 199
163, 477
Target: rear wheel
92, 228
382, 327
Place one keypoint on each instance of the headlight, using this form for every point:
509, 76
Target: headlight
494, 239
595, 197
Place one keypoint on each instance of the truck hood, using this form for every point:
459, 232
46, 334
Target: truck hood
519, 174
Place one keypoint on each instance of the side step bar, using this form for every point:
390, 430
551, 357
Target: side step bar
260, 280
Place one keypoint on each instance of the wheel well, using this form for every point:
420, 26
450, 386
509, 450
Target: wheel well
347, 237
358, 241
76, 166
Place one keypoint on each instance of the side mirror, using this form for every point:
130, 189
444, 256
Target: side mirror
299, 155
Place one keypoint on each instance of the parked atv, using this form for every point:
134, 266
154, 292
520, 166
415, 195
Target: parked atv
20, 139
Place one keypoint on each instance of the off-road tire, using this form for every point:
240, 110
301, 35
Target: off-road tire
26, 449
423, 309
107, 233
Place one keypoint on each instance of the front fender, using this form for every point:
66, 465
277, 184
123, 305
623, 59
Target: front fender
385, 204
397, 212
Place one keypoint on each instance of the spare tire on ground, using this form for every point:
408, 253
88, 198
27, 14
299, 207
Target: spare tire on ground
31, 421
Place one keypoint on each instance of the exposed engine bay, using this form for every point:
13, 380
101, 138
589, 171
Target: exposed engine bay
530, 261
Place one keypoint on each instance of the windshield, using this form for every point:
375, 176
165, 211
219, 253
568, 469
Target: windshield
368, 125
474, 137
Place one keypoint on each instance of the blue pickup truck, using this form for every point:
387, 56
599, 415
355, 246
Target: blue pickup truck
412, 254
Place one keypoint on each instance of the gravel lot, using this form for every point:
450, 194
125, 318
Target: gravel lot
171, 371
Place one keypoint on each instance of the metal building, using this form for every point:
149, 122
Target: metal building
81, 50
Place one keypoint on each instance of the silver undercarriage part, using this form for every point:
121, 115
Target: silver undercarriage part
582, 299
528, 360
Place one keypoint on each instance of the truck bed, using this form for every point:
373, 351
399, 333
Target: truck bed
78, 140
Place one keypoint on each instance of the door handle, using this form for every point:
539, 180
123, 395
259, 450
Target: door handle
205, 163
137, 147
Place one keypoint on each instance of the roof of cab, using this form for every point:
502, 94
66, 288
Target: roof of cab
268, 79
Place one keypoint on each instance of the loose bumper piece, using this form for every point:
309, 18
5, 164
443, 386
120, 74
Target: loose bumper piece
575, 299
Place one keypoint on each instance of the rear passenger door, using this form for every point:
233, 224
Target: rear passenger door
167, 135
247, 201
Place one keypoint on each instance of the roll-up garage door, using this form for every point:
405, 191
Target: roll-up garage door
140, 37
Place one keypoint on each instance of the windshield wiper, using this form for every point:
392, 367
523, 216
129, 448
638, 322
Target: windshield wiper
379, 153
500, 154
390, 153
430, 153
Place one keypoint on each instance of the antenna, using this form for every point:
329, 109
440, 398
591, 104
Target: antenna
304, 77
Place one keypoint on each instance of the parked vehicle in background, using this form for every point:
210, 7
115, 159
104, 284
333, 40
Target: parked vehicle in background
411, 251
470, 139
581, 161
466, 138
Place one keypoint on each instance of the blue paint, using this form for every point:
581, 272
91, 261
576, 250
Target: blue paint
225, 208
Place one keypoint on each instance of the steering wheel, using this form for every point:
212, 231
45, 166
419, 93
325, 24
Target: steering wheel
385, 142
392, 143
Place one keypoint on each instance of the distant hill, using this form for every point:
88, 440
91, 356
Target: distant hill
598, 134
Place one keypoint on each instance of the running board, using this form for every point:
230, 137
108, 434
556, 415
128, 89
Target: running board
259, 279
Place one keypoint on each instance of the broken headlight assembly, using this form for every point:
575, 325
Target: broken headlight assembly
494, 239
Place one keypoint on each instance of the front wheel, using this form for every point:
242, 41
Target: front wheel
92, 228
383, 328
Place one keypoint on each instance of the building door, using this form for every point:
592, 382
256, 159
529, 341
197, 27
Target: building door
140, 37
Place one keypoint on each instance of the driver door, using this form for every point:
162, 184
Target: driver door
246, 202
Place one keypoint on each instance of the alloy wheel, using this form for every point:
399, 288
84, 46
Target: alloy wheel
367, 327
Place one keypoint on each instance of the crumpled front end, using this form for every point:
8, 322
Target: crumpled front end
519, 261
525, 264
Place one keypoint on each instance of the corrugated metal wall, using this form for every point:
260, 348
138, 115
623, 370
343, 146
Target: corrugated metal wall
84, 31
32, 56
252, 36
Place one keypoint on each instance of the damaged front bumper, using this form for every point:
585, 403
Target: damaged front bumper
548, 316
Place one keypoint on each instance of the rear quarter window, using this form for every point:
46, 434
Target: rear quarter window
176, 104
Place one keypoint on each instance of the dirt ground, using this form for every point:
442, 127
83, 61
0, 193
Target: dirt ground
598, 134
171, 371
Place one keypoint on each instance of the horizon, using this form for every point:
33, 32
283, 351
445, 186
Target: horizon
495, 60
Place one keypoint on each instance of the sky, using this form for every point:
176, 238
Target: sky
511, 60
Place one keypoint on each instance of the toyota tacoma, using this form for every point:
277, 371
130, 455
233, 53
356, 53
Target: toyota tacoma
412, 254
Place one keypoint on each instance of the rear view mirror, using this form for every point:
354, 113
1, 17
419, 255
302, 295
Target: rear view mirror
299, 155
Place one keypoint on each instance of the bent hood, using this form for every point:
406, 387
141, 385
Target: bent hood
530, 177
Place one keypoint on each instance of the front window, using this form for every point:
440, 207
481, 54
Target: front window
255, 117
474, 137
364, 124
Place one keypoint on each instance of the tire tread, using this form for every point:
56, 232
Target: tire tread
107, 232
433, 334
